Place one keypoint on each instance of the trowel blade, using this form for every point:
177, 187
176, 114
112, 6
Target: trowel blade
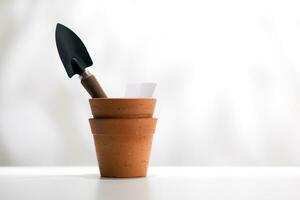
72, 51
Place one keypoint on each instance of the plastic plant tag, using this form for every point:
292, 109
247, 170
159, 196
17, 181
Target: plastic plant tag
140, 90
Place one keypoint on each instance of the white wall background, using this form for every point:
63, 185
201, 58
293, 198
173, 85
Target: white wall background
228, 75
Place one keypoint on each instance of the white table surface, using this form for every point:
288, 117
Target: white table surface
201, 183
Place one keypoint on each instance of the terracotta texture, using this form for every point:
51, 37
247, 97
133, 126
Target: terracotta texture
132, 126
123, 156
123, 132
122, 107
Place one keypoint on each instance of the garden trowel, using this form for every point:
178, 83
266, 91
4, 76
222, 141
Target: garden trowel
76, 58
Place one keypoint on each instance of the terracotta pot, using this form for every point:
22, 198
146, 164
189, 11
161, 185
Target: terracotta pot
123, 146
122, 107
124, 126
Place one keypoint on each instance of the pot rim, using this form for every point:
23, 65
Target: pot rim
112, 119
117, 98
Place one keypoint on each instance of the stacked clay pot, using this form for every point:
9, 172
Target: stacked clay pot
123, 129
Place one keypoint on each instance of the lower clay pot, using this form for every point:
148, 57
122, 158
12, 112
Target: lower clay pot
123, 146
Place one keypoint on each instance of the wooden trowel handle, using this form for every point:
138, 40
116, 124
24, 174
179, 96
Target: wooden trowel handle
92, 86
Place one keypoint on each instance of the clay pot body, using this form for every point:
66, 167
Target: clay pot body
123, 156
123, 145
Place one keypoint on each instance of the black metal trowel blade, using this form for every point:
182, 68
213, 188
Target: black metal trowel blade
72, 51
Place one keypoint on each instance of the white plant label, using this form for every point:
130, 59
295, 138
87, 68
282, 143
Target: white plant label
140, 90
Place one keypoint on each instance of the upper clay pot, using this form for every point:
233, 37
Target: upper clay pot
122, 107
